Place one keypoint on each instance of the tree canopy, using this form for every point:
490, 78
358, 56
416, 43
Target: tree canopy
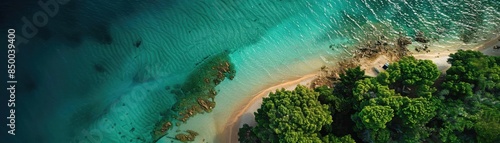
471, 71
291, 116
374, 117
348, 81
402, 104
413, 77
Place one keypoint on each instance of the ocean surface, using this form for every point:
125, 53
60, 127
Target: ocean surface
105, 71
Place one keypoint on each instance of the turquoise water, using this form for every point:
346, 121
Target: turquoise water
83, 79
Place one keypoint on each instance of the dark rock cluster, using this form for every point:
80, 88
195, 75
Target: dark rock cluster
197, 94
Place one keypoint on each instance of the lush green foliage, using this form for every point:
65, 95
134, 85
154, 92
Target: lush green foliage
488, 129
417, 112
471, 72
404, 104
246, 135
291, 116
367, 89
348, 81
413, 77
471, 109
374, 117
335, 139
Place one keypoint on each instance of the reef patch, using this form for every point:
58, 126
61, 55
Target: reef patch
197, 94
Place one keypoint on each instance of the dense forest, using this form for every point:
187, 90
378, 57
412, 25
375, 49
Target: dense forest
409, 102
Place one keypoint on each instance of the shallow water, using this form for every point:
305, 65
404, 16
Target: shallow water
83, 77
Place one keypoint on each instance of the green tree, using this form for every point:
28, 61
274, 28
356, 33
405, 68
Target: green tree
291, 116
412, 77
417, 111
334, 139
384, 78
458, 89
341, 102
348, 81
472, 72
395, 102
246, 135
367, 89
488, 126
377, 136
467, 59
373, 117
455, 121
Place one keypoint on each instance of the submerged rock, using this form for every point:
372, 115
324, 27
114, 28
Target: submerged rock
403, 42
196, 95
186, 137
138, 43
419, 37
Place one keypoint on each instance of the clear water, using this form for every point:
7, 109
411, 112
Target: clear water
82, 78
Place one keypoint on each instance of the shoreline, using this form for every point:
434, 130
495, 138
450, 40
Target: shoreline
438, 56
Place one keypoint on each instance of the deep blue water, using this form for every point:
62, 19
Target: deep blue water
82, 77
